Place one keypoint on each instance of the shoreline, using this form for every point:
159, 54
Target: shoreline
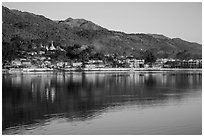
27, 70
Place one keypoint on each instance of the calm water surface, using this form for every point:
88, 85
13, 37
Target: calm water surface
102, 103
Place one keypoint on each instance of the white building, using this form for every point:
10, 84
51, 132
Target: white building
95, 64
16, 62
52, 46
77, 64
135, 63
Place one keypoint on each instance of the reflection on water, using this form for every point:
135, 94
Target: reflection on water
53, 100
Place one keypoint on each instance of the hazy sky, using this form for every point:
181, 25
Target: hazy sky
183, 20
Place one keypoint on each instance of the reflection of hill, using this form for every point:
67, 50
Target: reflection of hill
28, 98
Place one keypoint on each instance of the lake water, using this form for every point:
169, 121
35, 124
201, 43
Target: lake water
102, 103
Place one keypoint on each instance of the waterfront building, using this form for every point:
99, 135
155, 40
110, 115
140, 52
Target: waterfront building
77, 64
60, 64
135, 63
191, 63
32, 53
26, 63
172, 64
95, 64
47, 62
16, 63
67, 64
41, 52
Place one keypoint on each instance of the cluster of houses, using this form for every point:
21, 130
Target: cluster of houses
176, 63
130, 63
41, 59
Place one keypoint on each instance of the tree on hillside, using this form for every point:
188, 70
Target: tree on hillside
8, 51
79, 53
16, 41
98, 55
149, 57
72, 52
182, 55
85, 55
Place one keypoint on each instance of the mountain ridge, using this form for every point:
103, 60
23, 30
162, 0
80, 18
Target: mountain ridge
31, 27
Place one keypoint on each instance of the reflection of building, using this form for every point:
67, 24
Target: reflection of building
134, 78
164, 79
50, 94
16, 80
91, 78
77, 78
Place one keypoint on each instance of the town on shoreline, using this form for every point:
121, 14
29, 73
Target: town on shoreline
24, 65
80, 58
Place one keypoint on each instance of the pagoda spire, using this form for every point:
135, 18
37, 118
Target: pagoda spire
52, 47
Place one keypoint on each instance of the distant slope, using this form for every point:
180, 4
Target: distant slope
31, 27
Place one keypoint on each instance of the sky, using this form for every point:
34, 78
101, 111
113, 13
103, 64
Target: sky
172, 19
